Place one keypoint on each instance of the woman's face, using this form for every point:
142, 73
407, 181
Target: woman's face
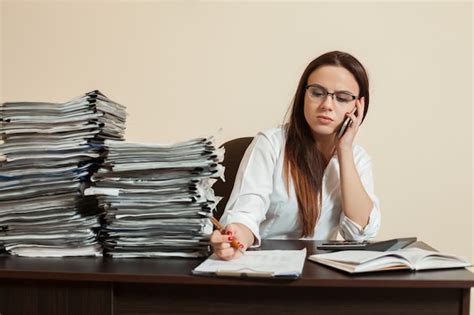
325, 113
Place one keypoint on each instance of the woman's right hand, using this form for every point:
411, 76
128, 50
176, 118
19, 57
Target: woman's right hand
221, 242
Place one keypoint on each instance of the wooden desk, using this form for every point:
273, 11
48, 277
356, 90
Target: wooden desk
166, 286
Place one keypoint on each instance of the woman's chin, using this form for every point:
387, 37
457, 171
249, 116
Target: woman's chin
322, 131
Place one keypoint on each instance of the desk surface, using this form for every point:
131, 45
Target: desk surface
178, 270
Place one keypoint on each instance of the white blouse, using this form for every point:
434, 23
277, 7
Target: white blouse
260, 200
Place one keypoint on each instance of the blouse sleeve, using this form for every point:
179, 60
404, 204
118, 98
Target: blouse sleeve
349, 229
250, 197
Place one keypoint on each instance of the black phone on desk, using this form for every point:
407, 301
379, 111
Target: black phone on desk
380, 246
346, 123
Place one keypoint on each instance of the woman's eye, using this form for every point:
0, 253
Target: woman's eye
344, 98
317, 93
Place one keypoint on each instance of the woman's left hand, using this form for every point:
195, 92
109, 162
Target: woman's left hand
348, 138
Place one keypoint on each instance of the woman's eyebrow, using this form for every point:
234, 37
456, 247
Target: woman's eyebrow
345, 91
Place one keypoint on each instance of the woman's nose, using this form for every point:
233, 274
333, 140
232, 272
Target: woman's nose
328, 102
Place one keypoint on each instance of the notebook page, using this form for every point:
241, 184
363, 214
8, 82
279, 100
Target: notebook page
263, 262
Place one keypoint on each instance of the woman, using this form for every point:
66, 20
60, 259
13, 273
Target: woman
304, 180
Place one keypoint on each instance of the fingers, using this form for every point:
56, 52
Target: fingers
217, 237
225, 251
237, 236
226, 254
232, 230
357, 120
360, 104
353, 127
354, 119
224, 244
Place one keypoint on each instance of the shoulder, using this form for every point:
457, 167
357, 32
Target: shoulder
269, 142
274, 136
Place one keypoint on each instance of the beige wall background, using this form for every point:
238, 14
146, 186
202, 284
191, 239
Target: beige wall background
187, 68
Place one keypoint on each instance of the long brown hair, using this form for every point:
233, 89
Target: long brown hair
303, 160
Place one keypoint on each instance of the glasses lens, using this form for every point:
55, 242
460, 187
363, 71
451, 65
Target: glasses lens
343, 97
316, 93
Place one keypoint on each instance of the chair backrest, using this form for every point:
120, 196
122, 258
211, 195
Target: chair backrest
234, 151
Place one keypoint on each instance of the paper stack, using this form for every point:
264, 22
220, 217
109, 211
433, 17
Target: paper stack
47, 154
158, 198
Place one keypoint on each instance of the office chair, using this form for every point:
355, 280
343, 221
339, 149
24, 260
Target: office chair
234, 151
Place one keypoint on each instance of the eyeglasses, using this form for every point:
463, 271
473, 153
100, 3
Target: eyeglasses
318, 94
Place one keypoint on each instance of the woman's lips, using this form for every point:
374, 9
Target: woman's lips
325, 120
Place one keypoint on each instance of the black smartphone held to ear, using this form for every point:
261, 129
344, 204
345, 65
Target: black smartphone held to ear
347, 122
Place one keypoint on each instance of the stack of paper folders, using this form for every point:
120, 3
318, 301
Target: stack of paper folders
47, 154
157, 198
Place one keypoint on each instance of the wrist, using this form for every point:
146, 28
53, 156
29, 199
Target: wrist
344, 149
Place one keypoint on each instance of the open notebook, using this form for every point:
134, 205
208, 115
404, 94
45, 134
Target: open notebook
356, 261
287, 264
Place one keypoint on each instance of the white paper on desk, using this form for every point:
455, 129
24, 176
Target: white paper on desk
34, 250
262, 263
